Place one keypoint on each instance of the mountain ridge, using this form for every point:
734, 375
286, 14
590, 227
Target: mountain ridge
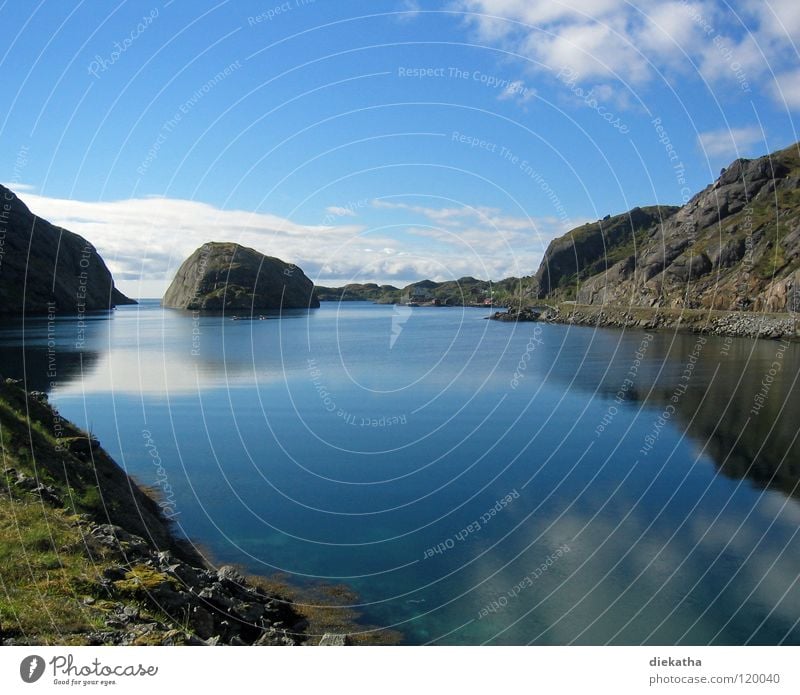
734, 246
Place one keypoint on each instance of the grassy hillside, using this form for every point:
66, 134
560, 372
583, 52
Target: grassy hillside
53, 587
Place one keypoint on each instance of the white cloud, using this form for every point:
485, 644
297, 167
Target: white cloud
787, 88
639, 42
591, 50
410, 10
778, 19
505, 245
18, 187
591, 37
731, 143
143, 241
518, 92
340, 212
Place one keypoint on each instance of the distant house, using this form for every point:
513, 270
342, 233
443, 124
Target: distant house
420, 294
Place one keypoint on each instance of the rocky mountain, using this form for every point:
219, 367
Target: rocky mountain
45, 267
595, 247
358, 292
733, 246
227, 276
465, 291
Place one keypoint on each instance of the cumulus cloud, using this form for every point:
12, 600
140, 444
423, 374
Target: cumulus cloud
518, 92
18, 187
144, 240
409, 9
635, 43
729, 143
787, 88
504, 245
779, 19
337, 211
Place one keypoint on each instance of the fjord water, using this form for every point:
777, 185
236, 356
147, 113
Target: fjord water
473, 481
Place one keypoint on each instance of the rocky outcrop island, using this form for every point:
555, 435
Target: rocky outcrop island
47, 269
229, 277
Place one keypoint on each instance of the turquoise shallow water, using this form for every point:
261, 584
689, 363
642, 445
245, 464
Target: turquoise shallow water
475, 482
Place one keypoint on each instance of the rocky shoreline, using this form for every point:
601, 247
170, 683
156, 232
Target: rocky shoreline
152, 597
735, 324
525, 314
118, 574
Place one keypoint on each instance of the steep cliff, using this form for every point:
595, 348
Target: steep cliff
595, 247
44, 267
734, 246
226, 276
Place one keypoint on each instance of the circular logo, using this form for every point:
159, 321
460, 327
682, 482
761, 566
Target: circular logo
31, 668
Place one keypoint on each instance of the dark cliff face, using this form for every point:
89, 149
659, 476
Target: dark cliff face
226, 276
593, 248
735, 245
44, 267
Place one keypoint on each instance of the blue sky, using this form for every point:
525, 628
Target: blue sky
385, 141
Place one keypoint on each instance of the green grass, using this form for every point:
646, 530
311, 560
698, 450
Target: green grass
141, 580
52, 588
45, 574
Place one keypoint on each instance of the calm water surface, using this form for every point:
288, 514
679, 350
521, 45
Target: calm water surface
475, 482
